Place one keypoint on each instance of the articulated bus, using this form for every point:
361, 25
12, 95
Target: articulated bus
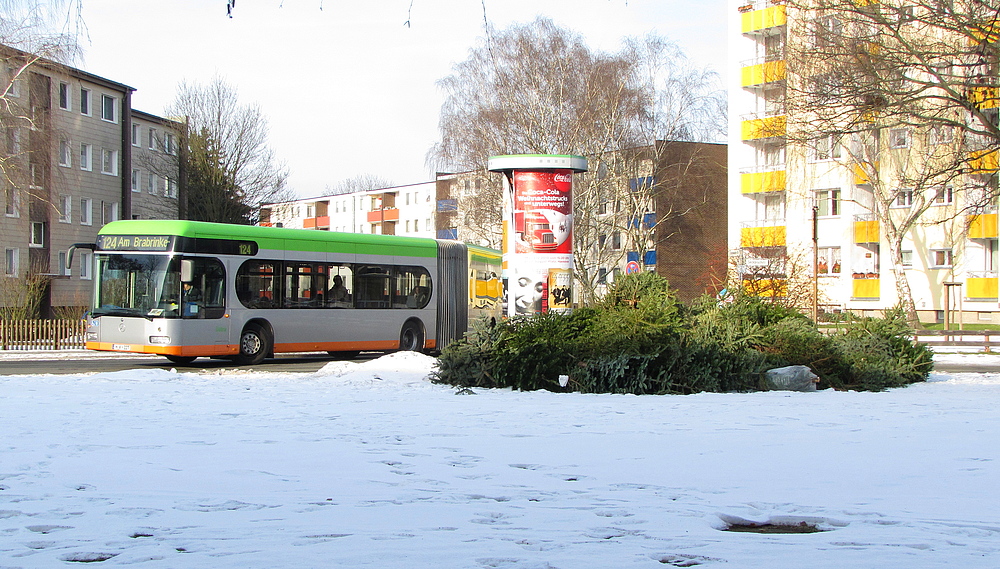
186, 289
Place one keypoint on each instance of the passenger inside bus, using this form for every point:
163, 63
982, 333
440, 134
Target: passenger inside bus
418, 297
338, 292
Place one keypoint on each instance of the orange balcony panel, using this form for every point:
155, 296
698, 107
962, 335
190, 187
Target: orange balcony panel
757, 182
981, 288
773, 236
863, 173
323, 221
756, 20
866, 232
983, 161
767, 127
866, 288
983, 226
761, 73
309, 223
383, 215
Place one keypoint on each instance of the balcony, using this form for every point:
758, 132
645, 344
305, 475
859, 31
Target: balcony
762, 128
769, 288
755, 73
984, 96
765, 233
380, 215
757, 16
322, 222
865, 286
983, 225
762, 179
863, 173
983, 162
865, 229
981, 285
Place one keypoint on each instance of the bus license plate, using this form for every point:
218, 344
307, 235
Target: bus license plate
123, 347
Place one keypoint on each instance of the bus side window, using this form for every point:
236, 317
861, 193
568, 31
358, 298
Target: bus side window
340, 286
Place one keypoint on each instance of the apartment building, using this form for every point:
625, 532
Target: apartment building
400, 210
69, 167
812, 207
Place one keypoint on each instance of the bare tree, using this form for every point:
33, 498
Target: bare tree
538, 88
906, 94
360, 183
231, 168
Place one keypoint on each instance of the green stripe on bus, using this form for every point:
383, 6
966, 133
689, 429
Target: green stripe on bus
280, 238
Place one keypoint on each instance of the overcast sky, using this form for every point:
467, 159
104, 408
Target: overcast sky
347, 87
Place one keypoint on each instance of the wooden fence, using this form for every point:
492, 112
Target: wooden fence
42, 334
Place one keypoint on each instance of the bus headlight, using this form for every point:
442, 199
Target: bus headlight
159, 340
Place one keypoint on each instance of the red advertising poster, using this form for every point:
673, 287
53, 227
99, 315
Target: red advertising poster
543, 211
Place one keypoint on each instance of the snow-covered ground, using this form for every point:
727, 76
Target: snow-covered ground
370, 465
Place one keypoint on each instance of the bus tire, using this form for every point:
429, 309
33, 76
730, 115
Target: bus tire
411, 337
181, 360
255, 344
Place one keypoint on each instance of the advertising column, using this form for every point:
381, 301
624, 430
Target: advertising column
538, 230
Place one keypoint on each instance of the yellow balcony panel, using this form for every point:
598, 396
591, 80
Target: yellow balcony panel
983, 161
866, 232
984, 97
866, 288
761, 73
766, 287
772, 236
863, 173
767, 127
758, 182
756, 20
983, 226
987, 32
981, 288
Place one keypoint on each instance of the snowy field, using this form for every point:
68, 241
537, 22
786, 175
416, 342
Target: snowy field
370, 465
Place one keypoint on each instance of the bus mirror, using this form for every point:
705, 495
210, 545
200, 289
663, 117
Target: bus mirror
73, 248
187, 270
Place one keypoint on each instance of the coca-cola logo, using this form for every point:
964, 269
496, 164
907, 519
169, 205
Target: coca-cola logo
563, 178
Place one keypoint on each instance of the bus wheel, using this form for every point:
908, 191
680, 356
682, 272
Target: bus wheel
182, 360
254, 345
411, 338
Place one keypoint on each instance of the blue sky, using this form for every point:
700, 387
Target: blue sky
347, 87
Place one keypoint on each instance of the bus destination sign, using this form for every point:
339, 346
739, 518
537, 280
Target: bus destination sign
135, 242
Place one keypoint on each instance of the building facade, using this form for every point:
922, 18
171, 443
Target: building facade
816, 209
69, 166
658, 208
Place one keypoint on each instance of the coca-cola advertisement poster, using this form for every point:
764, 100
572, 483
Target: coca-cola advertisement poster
543, 211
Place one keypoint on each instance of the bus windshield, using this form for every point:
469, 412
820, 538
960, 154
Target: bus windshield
137, 285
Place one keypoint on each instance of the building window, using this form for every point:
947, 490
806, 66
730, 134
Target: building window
15, 84
37, 234
152, 138
136, 135
602, 276
65, 101
85, 102
944, 196
86, 262
109, 212
136, 180
828, 262
86, 157
906, 257
108, 108
109, 162
941, 258
168, 144
899, 138
12, 202
65, 153
63, 269
86, 211
827, 148
416, 225
904, 198
170, 188
10, 259
828, 203
14, 140
941, 134
151, 183
616, 241
66, 209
